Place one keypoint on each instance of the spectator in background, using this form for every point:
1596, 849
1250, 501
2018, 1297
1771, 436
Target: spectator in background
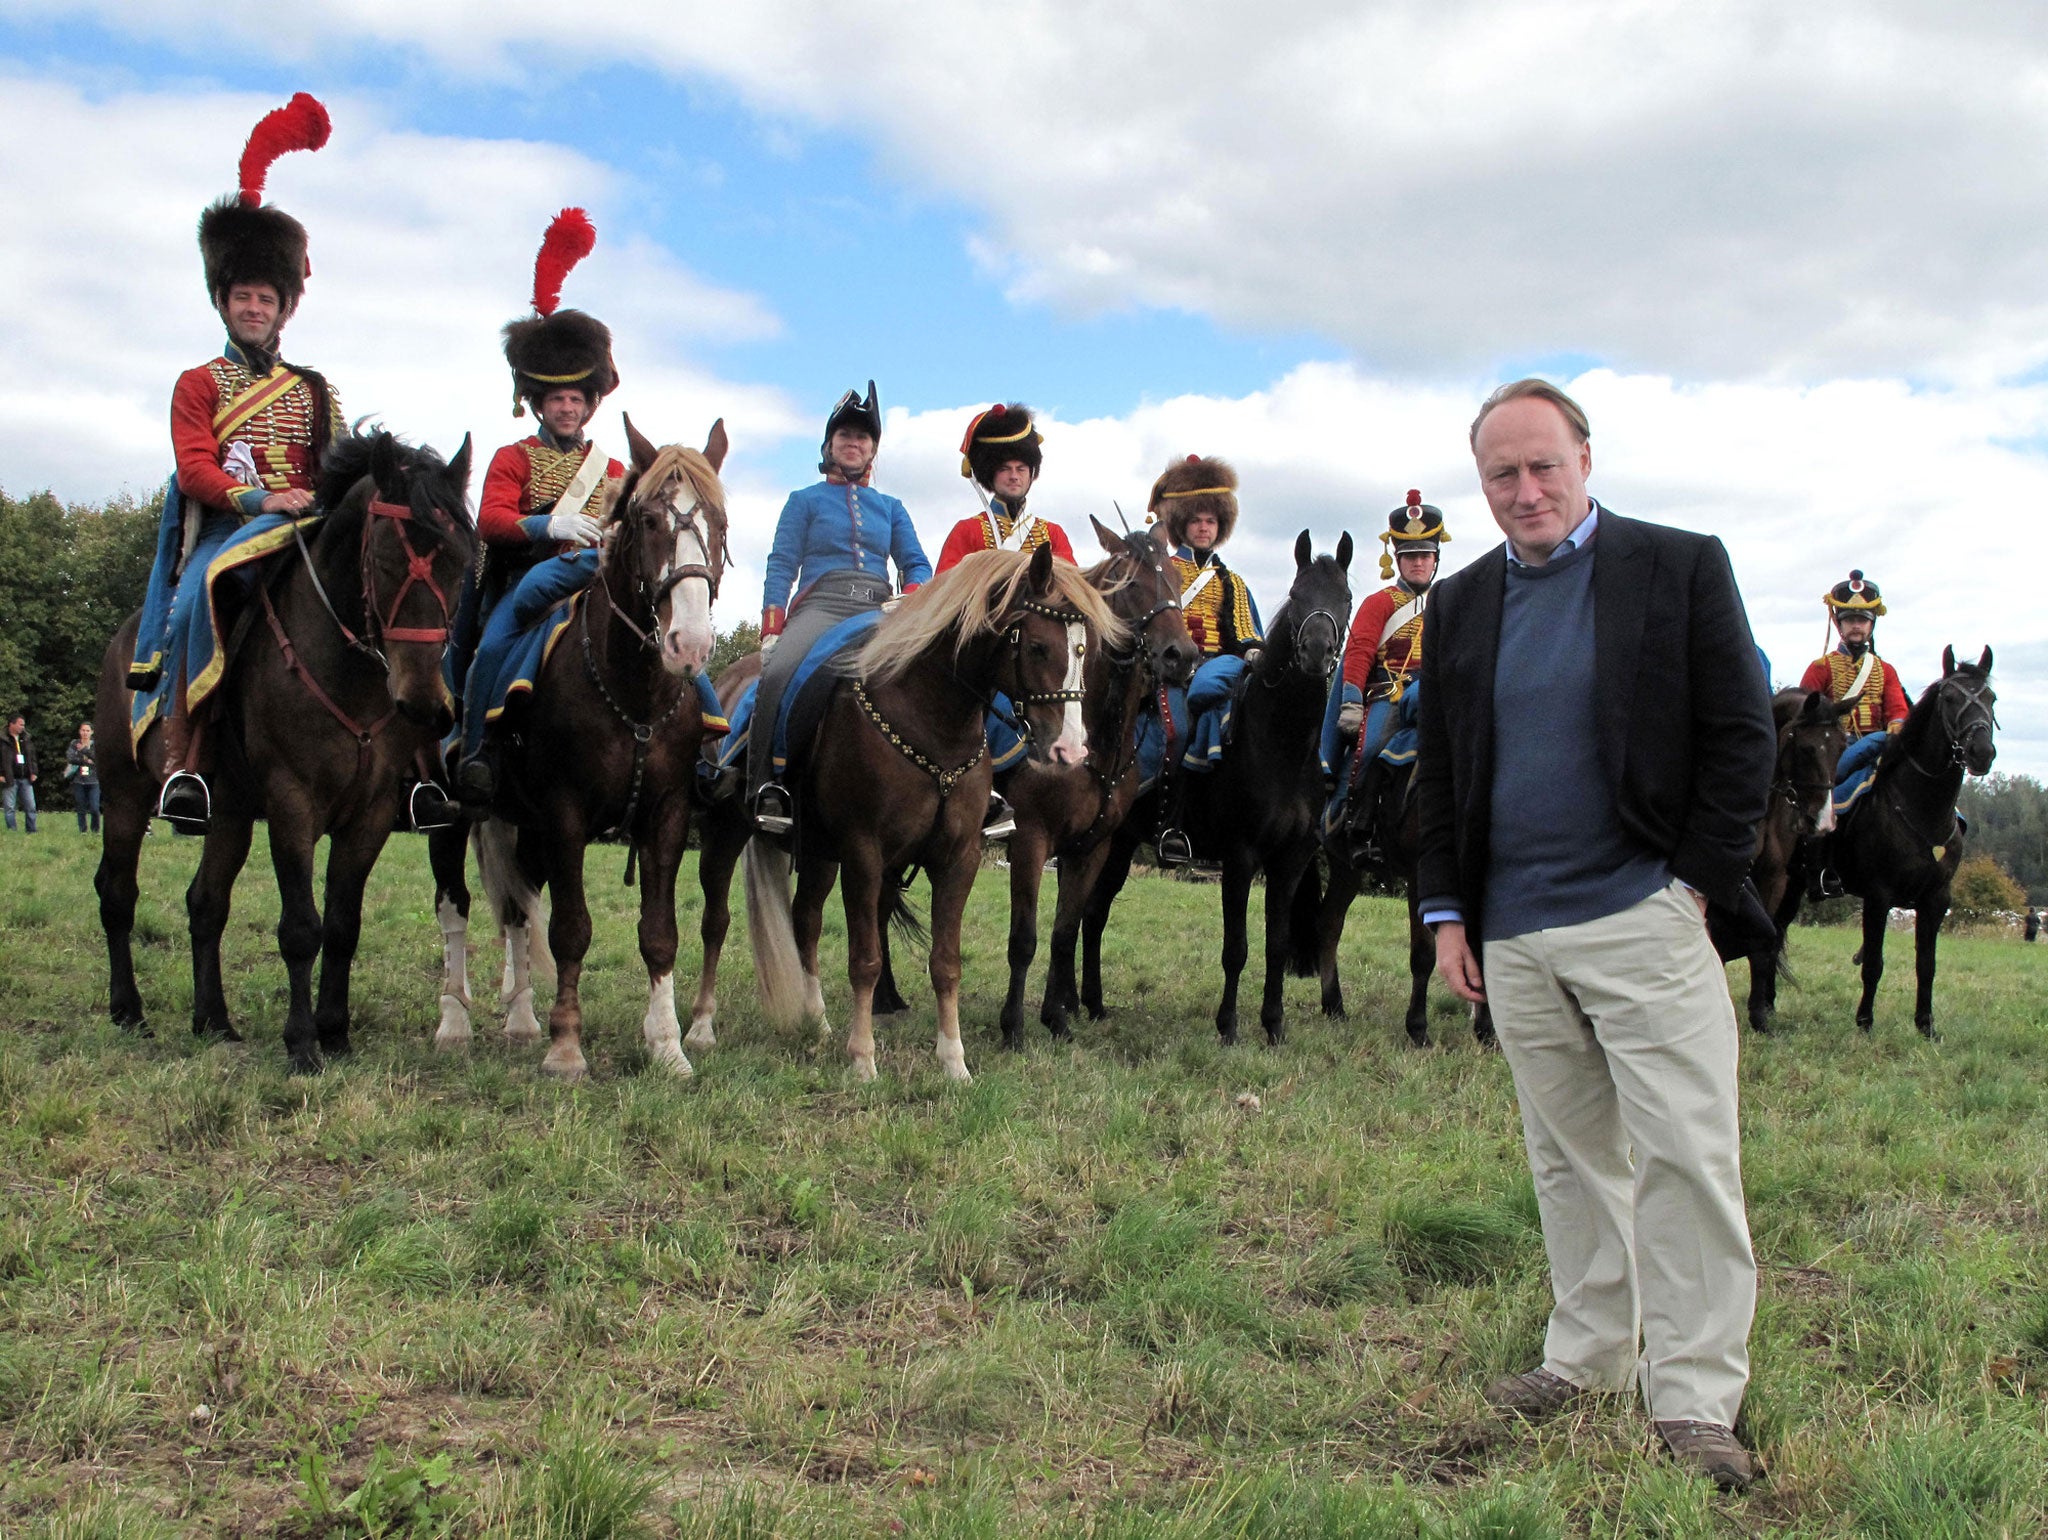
81, 769
18, 772
2033, 923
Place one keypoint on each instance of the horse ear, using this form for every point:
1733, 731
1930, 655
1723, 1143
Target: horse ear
1304, 549
1344, 550
1041, 569
458, 468
1948, 661
716, 444
1984, 663
643, 452
1112, 542
383, 462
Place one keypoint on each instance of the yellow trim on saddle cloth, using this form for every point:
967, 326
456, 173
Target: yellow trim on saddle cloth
237, 412
524, 686
234, 556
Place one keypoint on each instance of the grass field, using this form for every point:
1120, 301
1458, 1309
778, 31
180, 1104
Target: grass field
1138, 1286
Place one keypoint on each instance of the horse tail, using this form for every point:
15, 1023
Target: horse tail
513, 892
896, 911
778, 970
1304, 945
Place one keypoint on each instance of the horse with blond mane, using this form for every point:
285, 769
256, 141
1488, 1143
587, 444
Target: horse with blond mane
897, 774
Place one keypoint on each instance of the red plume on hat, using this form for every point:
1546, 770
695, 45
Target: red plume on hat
554, 347
244, 240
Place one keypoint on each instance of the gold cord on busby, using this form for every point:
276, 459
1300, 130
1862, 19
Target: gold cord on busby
997, 436
1198, 484
1414, 528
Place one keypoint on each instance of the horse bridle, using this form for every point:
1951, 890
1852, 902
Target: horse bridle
1957, 732
1294, 638
1015, 638
679, 525
419, 570
1790, 788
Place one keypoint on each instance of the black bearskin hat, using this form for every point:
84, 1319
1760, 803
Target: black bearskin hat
554, 348
1857, 596
244, 240
1195, 485
851, 412
1412, 528
997, 436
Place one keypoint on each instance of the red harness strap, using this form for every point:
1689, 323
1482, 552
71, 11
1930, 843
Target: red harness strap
364, 736
419, 569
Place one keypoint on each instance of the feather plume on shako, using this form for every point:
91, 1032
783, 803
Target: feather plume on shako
554, 347
244, 240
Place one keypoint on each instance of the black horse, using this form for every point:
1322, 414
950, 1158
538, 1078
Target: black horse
1258, 810
1319, 912
1900, 845
1810, 741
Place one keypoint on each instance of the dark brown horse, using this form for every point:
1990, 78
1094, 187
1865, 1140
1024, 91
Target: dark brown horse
607, 742
1258, 810
898, 775
324, 707
1802, 808
1900, 845
1072, 810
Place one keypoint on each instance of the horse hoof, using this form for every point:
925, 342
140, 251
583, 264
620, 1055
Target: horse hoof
565, 1067
670, 1058
134, 1026
863, 1067
1276, 1037
519, 1035
1061, 1032
701, 1038
1419, 1039
1864, 1023
307, 1061
957, 1073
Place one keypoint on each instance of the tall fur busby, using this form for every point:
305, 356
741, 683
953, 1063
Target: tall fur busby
999, 435
1414, 527
244, 240
552, 347
1195, 485
851, 412
1856, 596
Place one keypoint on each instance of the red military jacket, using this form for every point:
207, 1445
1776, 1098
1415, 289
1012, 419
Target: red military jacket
986, 531
1882, 702
526, 480
239, 436
1398, 655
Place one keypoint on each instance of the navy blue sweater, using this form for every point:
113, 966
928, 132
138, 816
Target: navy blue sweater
1559, 854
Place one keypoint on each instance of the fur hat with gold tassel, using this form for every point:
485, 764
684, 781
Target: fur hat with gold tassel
244, 240
553, 348
1412, 529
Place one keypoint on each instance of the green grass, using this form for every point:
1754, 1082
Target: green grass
1101, 1293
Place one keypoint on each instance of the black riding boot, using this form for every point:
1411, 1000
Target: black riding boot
999, 822
186, 804
1363, 815
1823, 882
1174, 846
476, 780
429, 807
774, 809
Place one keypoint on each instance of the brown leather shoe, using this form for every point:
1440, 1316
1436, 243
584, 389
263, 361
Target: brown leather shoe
1534, 1395
1710, 1450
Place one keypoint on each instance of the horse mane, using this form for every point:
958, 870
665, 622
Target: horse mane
965, 602
670, 461
1925, 710
350, 458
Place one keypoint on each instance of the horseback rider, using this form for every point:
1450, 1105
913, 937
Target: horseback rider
1001, 455
1852, 672
545, 498
1196, 500
833, 545
1383, 663
248, 431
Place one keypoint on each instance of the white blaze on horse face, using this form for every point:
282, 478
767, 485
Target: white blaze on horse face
1825, 824
686, 644
1071, 747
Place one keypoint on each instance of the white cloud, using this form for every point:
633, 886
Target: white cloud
1734, 188
422, 249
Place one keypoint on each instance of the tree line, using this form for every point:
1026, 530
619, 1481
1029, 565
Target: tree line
71, 572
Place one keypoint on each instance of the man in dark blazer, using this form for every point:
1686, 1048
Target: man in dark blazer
1596, 753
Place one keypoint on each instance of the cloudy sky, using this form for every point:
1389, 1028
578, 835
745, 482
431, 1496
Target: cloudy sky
1786, 256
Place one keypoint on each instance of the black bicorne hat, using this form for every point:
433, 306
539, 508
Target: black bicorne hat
851, 412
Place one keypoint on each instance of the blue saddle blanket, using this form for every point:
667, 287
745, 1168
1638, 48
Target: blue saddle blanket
530, 651
803, 701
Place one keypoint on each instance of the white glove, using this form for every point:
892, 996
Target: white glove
576, 528
1350, 718
768, 643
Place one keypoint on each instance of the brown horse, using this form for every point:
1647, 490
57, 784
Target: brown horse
898, 775
607, 743
1073, 809
1900, 845
322, 712
1810, 741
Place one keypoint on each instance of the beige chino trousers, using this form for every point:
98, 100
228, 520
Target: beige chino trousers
1623, 1042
